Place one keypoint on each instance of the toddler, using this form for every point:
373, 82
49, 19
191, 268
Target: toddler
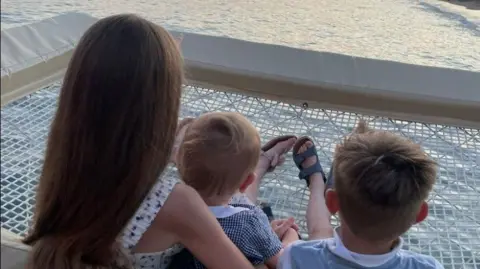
217, 158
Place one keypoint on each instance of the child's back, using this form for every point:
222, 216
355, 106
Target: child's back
381, 182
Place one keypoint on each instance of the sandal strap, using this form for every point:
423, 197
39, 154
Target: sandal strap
305, 173
272, 143
298, 158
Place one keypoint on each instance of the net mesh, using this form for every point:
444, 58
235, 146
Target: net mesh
451, 233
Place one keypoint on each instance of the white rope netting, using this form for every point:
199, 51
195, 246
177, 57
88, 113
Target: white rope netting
451, 232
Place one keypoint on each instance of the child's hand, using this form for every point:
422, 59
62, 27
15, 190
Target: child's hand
290, 236
281, 226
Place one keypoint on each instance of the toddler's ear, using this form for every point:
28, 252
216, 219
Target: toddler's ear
331, 200
248, 181
423, 213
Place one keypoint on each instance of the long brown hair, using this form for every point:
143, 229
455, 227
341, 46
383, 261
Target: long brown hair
109, 142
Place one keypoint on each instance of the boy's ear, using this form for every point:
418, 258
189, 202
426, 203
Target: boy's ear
423, 213
331, 200
248, 181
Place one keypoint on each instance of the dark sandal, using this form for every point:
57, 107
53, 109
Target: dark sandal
267, 209
272, 143
299, 158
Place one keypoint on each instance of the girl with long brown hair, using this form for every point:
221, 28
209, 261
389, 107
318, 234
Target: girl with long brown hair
110, 140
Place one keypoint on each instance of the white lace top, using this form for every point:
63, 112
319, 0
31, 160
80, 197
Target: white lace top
144, 217
140, 222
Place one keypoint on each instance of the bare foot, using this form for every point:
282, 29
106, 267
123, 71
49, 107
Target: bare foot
274, 156
271, 158
316, 179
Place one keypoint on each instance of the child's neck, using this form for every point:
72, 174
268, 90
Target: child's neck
361, 246
217, 200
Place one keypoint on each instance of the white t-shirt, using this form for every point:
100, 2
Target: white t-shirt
332, 252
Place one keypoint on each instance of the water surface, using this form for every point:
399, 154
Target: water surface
420, 32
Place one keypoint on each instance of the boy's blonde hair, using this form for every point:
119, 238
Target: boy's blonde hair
381, 180
218, 152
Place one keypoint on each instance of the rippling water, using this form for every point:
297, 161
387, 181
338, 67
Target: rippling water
421, 32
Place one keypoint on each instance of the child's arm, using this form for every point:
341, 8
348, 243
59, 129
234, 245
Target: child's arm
261, 240
273, 261
186, 216
289, 237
